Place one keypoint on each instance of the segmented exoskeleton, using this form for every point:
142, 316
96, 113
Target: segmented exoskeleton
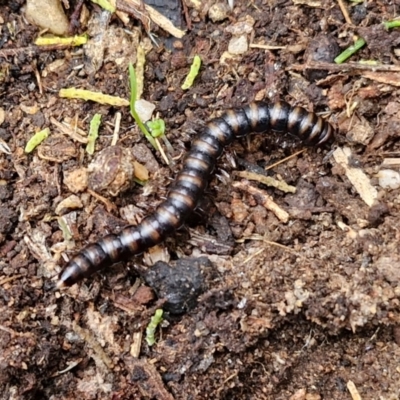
191, 181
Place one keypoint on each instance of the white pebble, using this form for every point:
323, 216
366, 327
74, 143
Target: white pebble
144, 109
238, 45
389, 179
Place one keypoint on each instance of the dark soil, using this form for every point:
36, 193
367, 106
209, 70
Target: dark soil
298, 309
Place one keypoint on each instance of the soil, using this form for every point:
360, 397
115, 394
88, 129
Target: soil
303, 309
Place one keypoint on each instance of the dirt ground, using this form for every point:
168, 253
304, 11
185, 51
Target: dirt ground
305, 308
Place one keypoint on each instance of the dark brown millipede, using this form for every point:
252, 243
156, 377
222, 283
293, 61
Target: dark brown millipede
191, 181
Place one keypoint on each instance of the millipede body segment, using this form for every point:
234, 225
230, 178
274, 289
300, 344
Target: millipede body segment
191, 181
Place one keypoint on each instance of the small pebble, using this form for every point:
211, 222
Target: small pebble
144, 109
76, 180
389, 179
218, 12
47, 14
111, 170
238, 45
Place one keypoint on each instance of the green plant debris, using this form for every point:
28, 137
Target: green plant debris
157, 127
133, 98
392, 24
194, 70
152, 326
139, 71
77, 40
36, 139
157, 130
139, 182
342, 57
369, 62
98, 97
67, 235
105, 4
267, 180
93, 133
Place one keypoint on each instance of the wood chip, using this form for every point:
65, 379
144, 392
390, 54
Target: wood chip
345, 67
2, 115
136, 344
353, 391
266, 199
149, 381
155, 16
356, 176
309, 3
391, 163
390, 78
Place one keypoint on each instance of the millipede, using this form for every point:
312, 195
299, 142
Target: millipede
190, 183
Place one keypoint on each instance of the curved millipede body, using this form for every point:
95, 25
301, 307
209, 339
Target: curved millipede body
191, 181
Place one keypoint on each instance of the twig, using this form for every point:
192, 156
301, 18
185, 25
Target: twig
345, 67
345, 12
355, 395
264, 240
9, 279
109, 206
266, 46
28, 51
266, 199
74, 19
187, 16
116, 129
284, 159
38, 79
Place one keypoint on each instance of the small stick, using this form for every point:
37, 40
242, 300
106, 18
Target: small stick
116, 129
345, 12
266, 199
284, 160
74, 19
187, 16
109, 206
345, 67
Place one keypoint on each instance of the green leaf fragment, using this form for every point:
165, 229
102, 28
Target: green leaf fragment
93, 133
152, 326
36, 139
194, 70
133, 87
77, 40
132, 101
157, 127
67, 235
392, 24
342, 57
98, 97
140, 61
105, 4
